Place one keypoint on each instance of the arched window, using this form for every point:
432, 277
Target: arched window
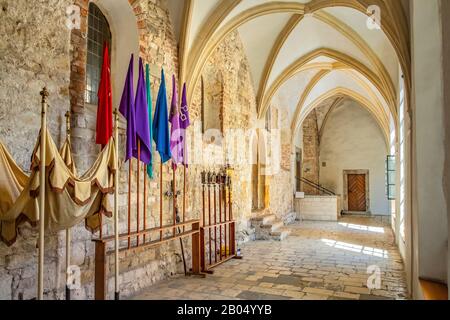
212, 101
98, 33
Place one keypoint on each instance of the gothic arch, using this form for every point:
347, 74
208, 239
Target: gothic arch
344, 62
393, 24
344, 92
125, 33
338, 25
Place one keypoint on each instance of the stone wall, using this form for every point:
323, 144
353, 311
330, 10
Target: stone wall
37, 51
281, 182
229, 65
34, 52
40, 52
318, 208
158, 47
311, 149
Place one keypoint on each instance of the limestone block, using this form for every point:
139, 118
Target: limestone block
78, 253
5, 287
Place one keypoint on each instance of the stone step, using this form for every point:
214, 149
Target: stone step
263, 219
269, 227
280, 235
273, 226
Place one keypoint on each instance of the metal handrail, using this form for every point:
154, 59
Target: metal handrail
316, 186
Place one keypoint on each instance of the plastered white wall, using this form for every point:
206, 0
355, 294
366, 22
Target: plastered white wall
429, 204
352, 140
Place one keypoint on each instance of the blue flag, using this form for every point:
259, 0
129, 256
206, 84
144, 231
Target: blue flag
161, 123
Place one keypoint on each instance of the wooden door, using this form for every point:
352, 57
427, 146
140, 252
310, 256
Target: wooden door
357, 192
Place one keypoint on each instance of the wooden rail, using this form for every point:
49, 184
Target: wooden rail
218, 231
101, 252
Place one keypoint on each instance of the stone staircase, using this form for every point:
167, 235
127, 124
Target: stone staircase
268, 227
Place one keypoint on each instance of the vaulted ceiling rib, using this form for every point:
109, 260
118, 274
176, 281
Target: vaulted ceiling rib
288, 41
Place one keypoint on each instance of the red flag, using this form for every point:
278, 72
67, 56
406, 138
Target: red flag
104, 110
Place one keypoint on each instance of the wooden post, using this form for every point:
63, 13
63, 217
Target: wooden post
203, 198
42, 175
230, 213
202, 249
174, 185
161, 200
233, 238
209, 217
129, 200
100, 270
138, 200
184, 196
215, 216
145, 201
68, 253
220, 213
116, 208
225, 218
196, 249
68, 233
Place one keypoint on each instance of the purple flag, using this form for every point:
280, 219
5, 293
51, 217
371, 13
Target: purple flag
127, 110
185, 122
142, 119
180, 122
174, 119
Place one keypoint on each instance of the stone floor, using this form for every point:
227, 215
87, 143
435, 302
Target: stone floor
318, 261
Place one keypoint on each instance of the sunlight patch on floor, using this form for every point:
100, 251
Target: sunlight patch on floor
362, 228
380, 253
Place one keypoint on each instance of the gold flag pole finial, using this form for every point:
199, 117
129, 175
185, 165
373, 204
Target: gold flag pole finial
44, 94
68, 129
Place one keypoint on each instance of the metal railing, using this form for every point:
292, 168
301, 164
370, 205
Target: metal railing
316, 186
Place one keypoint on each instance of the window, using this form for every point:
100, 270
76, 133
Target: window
390, 177
99, 33
212, 106
402, 152
269, 119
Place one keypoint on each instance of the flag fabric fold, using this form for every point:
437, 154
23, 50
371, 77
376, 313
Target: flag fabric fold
150, 110
161, 124
142, 124
175, 143
185, 122
104, 111
127, 109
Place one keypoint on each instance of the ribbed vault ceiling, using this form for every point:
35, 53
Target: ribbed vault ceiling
304, 53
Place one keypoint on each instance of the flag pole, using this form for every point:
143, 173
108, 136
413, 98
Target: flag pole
174, 185
184, 196
129, 201
68, 231
145, 202
40, 291
176, 219
138, 205
161, 200
116, 206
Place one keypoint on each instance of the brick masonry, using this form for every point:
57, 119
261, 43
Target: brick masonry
311, 149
